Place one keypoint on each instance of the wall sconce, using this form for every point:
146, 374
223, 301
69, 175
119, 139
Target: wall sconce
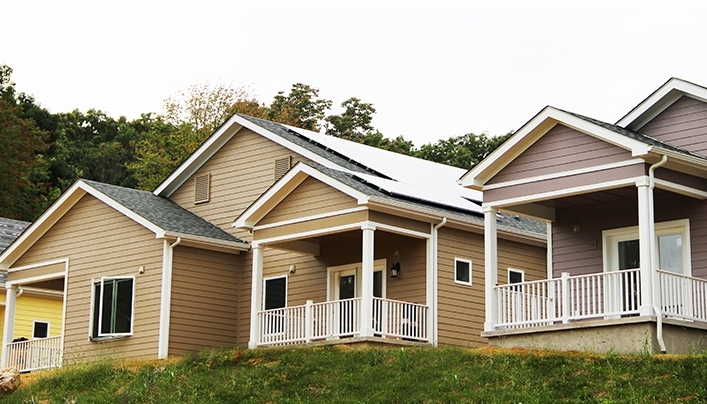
577, 227
394, 270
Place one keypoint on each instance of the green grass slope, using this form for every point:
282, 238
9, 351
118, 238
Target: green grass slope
386, 375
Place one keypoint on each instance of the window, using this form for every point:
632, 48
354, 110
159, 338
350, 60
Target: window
40, 329
515, 276
462, 271
275, 293
113, 307
202, 188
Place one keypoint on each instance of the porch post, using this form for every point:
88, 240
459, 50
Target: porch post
256, 294
367, 281
644, 240
490, 267
9, 329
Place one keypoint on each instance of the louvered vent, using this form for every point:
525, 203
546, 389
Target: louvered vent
281, 167
202, 185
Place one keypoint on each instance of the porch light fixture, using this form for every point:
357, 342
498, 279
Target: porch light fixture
394, 270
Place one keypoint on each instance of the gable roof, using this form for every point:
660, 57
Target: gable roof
371, 190
159, 215
659, 100
639, 145
9, 231
331, 152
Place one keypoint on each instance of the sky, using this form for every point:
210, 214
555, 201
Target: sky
431, 73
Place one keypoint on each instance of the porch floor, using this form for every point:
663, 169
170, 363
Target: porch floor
356, 342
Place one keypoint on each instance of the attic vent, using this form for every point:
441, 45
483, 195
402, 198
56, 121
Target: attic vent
281, 167
202, 185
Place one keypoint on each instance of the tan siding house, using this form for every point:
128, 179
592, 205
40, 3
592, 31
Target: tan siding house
270, 235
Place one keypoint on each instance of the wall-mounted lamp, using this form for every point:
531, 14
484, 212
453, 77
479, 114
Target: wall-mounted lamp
394, 270
577, 227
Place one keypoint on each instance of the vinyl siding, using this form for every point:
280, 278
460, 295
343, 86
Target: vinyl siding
240, 171
683, 124
205, 298
561, 149
311, 197
461, 312
100, 241
31, 307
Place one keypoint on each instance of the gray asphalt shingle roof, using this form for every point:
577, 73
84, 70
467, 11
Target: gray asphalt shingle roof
9, 231
162, 212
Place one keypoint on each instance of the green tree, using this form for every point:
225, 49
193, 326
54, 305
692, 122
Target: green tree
354, 123
23, 168
462, 151
301, 108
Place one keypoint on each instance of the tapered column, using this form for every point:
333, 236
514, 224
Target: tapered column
490, 267
367, 281
256, 294
9, 329
644, 242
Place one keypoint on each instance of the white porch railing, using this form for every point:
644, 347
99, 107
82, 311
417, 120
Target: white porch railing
545, 302
682, 296
338, 319
35, 354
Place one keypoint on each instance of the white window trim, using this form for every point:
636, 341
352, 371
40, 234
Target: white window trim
34, 324
521, 271
100, 335
334, 272
458, 282
610, 239
287, 288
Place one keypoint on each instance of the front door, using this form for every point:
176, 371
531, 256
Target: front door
345, 285
346, 291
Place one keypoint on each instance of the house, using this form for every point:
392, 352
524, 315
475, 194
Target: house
628, 218
271, 235
38, 312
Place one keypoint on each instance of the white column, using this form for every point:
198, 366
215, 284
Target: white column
9, 330
367, 281
490, 267
431, 286
644, 241
256, 294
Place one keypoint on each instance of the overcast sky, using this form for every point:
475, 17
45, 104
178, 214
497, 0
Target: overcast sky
431, 73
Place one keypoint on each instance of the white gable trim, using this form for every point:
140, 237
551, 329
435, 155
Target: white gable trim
661, 99
220, 138
477, 177
273, 196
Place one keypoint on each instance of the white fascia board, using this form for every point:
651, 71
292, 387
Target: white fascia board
661, 99
477, 177
159, 232
202, 154
40, 226
297, 174
208, 242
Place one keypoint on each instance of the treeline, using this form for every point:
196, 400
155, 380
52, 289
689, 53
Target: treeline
43, 153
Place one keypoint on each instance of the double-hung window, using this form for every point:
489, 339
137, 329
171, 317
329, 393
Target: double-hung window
113, 308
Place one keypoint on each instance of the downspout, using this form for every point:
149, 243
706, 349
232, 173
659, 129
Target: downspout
654, 266
434, 278
166, 298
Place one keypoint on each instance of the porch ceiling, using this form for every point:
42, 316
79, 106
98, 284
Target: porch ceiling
594, 198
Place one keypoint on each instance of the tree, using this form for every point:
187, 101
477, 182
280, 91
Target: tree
23, 168
354, 123
301, 108
462, 151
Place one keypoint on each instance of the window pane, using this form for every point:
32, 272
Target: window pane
629, 257
107, 306
670, 253
275, 293
96, 306
515, 277
41, 330
463, 272
123, 306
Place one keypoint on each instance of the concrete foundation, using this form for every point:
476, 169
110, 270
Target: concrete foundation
622, 336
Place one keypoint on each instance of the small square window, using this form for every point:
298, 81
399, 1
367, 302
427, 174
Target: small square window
462, 271
40, 329
515, 276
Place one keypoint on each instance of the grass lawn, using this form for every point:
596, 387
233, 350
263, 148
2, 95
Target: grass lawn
384, 375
